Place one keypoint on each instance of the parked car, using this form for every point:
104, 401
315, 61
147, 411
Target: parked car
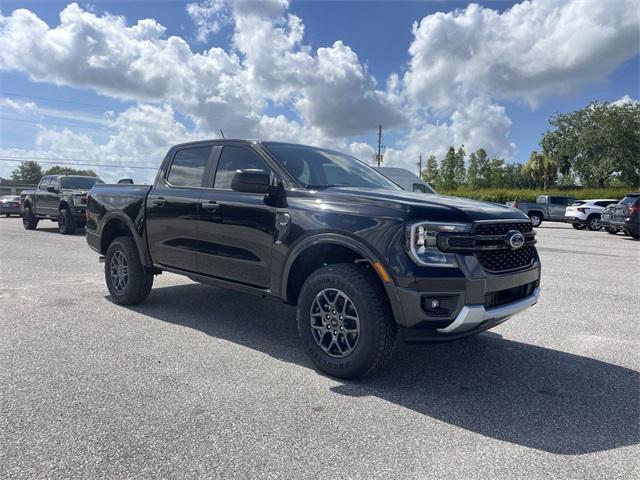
605, 219
626, 215
10, 205
406, 179
547, 207
60, 198
360, 258
587, 213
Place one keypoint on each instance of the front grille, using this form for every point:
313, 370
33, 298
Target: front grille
501, 228
510, 295
506, 260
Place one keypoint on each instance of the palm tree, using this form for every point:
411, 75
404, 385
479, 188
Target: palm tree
542, 169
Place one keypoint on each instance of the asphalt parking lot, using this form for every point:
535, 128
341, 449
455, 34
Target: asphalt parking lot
203, 382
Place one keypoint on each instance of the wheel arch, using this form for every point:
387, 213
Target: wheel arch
324, 249
116, 224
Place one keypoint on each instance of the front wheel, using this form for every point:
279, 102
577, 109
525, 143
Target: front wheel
536, 219
345, 320
29, 220
128, 281
66, 225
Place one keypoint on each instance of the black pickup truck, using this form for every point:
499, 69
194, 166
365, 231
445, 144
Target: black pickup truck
61, 198
362, 259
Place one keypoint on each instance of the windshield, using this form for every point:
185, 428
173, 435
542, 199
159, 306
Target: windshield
320, 168
79, 183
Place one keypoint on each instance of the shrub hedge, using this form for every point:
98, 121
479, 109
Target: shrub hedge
503, 195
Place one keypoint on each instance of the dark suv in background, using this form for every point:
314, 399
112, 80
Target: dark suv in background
626, 215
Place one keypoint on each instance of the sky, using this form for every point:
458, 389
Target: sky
111, 85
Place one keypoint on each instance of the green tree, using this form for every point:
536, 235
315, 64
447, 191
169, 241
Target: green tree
460, 172
430, 172
27, 172
598, 143
479, 169
496, 174
57, 170
447, 176
542, 169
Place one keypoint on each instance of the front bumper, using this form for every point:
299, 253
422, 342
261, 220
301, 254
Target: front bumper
469, 300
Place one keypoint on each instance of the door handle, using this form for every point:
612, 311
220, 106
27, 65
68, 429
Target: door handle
159, 202
211, 206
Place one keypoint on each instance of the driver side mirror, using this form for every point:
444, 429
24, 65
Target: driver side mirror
251, 181
51, 189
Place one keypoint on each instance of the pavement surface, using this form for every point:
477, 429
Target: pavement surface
207, 383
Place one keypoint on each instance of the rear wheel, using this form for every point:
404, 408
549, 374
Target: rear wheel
128, 281
66, 225
612, 231
29, 220
577, 226
593, 223
345, 321
536, 219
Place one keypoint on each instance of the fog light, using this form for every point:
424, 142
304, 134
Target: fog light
435, 303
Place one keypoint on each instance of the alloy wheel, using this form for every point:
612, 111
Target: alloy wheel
335, 324
119, 271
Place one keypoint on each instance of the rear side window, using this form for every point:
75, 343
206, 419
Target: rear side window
630, 200
558, 200
578, 203
188, 167
233, 159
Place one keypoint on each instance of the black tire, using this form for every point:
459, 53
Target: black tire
377, 330
66, 224
29, 220
593, 223
636, 236
7, 215
536, 219
578, 226
136, 282
612, 231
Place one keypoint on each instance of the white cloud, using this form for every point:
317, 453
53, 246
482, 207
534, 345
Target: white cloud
530, 51
141, 137
625, 100
462, 65
208, 16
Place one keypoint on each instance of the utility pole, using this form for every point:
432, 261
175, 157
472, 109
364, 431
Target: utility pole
379, 155
420, 167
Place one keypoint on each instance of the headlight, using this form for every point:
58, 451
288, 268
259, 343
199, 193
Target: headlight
422, 244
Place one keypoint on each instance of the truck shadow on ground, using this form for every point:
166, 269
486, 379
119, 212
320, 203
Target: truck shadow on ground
537, 397
79, 232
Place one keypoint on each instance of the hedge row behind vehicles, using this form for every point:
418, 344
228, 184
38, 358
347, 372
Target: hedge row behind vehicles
60, 198
362, 259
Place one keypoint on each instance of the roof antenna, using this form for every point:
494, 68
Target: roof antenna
222, 133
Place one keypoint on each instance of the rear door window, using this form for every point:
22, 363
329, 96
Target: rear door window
188, 167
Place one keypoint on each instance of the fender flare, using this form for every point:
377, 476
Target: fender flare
138, 238
324, 238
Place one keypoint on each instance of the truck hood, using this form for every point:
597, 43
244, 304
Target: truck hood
432, 207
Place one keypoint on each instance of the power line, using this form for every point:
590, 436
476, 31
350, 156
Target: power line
47, 122
49, 99
15, 160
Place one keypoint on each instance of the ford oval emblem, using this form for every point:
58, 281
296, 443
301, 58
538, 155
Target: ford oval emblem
515, 239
